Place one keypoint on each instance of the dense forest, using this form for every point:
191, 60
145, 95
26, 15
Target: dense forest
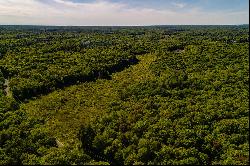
163, 95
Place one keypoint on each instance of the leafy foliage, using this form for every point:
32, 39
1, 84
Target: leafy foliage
164, 95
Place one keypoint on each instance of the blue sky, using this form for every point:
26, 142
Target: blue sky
124, 12
208, 5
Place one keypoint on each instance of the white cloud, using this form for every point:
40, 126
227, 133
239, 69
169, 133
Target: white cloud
179, 5
62, 12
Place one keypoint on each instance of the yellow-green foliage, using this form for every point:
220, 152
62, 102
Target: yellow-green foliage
155, 95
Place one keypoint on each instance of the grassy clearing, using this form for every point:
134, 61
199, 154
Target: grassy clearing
65, 110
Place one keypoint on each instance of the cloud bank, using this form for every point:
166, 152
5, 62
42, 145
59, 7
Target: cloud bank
101, 12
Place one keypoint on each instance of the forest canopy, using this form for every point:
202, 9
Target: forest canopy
163, 95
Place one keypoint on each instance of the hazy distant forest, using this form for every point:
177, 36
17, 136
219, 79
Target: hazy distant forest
164, 95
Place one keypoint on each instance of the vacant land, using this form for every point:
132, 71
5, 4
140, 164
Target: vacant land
124, 95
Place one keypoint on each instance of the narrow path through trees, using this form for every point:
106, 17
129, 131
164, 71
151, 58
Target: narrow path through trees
7, 88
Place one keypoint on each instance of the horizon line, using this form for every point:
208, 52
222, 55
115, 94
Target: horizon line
122, 25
